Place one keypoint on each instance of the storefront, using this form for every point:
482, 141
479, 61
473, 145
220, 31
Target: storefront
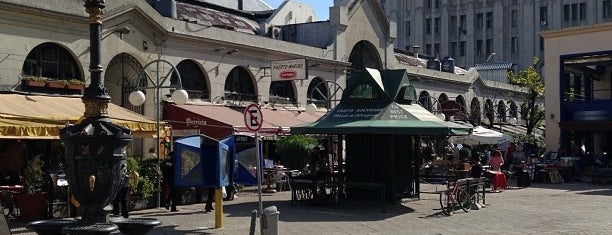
30, 126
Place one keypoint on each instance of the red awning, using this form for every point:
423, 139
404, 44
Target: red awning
219, 121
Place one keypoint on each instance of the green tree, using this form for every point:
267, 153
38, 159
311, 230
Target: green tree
294, 150
530, 79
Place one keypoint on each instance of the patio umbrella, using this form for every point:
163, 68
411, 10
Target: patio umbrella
481, 135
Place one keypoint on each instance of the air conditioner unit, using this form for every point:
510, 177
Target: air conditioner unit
276, 32
543, 22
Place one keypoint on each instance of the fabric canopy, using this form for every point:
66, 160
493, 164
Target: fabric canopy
482, 135
41, 117
220, 121
373, 105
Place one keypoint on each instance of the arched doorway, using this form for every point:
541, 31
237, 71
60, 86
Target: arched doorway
239, 86
122, 76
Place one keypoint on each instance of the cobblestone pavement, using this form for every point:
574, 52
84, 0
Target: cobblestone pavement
571, 208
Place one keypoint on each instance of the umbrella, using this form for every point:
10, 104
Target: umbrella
482, 135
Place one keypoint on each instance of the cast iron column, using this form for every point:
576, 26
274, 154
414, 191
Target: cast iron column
95, 148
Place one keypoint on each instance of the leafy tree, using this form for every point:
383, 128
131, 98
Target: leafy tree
294, 150
530, 78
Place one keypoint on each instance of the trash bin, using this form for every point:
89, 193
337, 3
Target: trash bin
270, 221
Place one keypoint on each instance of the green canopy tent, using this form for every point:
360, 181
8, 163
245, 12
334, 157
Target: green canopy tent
382, 124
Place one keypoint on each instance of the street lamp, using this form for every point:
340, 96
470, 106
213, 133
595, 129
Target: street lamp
137, 98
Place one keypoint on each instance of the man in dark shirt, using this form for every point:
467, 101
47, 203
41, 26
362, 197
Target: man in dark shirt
167, 169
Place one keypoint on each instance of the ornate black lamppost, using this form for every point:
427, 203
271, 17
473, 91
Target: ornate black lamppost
95, 153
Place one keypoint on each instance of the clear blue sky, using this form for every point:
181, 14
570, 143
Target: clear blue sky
321, 7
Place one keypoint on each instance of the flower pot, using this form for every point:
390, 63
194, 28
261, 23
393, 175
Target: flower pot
32, 207
56, 84
74, 86
33, 83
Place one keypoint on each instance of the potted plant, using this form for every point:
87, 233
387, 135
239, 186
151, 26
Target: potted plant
34, 81
75, 84
33, 201
56, 83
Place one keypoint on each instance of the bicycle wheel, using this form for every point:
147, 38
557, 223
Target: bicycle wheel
446, 204
464, 200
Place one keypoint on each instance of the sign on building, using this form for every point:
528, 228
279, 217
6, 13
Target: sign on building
286, 70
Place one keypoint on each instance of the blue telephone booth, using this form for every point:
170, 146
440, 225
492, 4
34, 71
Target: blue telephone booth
201, 161
244, 159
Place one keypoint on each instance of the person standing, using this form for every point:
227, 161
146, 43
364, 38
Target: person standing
209, 199
171, 197
120, 201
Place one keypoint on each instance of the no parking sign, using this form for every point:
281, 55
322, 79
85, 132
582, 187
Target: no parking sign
253, 118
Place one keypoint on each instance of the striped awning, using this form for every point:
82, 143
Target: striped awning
41, 117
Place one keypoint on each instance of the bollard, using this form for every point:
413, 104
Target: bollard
270, 221
253, 221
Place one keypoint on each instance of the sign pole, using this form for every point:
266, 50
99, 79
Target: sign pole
259, 181
253, 120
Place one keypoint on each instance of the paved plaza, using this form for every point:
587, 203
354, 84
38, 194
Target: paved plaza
570, 208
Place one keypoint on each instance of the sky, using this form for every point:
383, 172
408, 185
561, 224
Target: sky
321, 7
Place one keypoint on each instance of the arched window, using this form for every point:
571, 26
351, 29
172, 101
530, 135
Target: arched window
475, 113
501, 111
364, 55
239, 85
193, 80
318, 92
425, 100
282, 92
51, 61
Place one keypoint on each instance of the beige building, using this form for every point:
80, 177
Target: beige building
578, 89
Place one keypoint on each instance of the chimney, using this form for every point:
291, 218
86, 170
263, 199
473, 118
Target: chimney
240, 5
415, 50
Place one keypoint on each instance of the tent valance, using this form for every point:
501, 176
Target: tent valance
377, 106
41, 117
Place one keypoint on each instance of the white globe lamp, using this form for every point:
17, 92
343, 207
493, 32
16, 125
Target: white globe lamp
311, 108
441, 116
180, 96
513, 121
136, 98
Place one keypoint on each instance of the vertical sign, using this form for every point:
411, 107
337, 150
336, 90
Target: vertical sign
253, 119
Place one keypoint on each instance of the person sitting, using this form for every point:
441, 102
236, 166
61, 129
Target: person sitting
476, 171
498, 181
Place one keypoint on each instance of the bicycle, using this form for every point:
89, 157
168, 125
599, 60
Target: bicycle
456, 194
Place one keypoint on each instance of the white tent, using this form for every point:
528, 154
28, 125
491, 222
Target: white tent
482, 135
